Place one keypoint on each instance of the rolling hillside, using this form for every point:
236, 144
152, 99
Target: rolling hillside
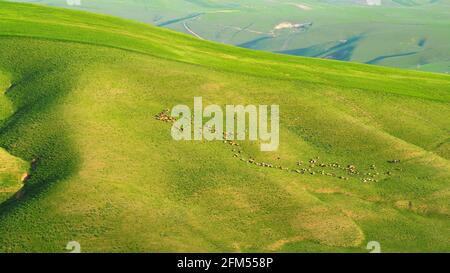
79, 95
410, 34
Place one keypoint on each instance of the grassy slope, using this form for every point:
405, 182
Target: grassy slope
83, 90
406, 34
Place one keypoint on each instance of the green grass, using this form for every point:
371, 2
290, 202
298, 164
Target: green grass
82, 92
404, 34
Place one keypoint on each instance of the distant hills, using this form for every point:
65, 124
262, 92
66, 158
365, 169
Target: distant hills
410, 34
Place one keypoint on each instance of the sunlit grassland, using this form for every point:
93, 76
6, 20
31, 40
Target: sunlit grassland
404, 34
83, 90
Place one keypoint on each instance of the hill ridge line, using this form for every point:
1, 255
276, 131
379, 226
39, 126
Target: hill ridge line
275, 77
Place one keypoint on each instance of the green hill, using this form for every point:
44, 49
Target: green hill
410, 34
79, 93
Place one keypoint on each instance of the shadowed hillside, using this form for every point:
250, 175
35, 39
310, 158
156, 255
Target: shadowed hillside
364, 150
